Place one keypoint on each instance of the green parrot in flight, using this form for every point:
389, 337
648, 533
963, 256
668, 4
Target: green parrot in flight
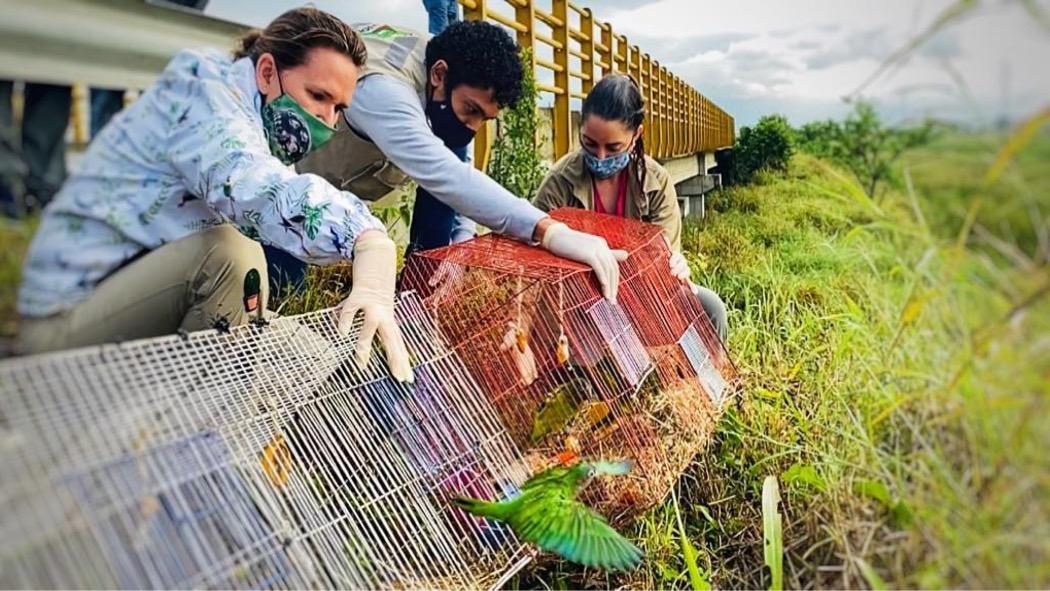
547, 514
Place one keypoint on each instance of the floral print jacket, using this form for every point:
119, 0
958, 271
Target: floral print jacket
188, 155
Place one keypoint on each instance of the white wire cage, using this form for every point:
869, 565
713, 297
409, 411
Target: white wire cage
259, 458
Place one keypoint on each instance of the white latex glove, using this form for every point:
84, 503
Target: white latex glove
679, 266
375, 264
590, 250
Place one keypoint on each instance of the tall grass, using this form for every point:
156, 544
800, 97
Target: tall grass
14, 240
897, 372
896, 362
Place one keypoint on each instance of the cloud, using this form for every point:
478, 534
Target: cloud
870, 43
682, 48
751, 94
602, 7
760, 67
943, 46
822, 30
806, 45
754, 57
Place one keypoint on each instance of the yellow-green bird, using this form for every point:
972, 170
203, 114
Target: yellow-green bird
559, 407
547, 514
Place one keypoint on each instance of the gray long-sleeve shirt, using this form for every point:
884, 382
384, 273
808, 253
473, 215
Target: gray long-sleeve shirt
391, 114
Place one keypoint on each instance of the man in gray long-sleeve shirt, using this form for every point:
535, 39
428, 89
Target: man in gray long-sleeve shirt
416, 98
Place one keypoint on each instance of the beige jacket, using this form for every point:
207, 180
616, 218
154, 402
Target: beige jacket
568, 184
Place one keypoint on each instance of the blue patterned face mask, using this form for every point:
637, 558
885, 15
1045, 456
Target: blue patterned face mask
604, 168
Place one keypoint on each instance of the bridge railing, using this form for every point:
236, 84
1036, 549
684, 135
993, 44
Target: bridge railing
125, 43
571, 50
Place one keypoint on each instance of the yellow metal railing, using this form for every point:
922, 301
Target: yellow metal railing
582, 49
680, 120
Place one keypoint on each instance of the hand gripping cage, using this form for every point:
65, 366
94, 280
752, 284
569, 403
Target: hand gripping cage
567, 371
265, 458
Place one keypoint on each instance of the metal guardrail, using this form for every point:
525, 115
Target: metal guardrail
126, 43
680, 120
103, 43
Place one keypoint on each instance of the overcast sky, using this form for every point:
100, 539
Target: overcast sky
801, 57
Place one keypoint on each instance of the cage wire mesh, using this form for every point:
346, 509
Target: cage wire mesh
261, 458
265, 458
571, 373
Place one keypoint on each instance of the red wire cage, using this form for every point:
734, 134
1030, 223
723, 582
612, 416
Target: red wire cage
572, 374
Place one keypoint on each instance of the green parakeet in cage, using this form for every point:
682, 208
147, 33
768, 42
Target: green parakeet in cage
547, 514
560, 407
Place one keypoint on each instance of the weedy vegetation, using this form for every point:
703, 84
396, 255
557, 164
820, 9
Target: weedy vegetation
895, 364
894, 346
896, 376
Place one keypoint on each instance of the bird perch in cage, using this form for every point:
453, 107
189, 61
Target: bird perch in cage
643, 378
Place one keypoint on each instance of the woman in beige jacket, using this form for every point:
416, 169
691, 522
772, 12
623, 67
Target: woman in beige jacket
611, 174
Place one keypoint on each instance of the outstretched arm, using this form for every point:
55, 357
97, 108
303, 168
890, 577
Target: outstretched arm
390, 114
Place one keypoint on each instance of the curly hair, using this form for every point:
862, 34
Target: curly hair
481, 55
291, 36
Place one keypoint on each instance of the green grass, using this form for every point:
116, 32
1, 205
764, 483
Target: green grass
14, 239
895, 382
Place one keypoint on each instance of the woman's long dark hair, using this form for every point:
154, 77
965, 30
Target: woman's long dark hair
617, 97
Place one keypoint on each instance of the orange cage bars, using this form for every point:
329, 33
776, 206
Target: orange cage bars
571, 373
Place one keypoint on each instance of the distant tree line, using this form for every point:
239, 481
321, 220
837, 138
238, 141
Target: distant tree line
862, 143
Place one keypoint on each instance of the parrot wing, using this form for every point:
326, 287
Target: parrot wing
573, 531
554, 476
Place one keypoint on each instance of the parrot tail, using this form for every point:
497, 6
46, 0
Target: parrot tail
479, 507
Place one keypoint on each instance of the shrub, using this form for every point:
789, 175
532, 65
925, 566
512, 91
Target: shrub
863, 144
766, 146
516, 162
817, 137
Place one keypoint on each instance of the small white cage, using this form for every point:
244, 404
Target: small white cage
260, 458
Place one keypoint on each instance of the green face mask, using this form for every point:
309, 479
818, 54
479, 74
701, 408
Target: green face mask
291, 130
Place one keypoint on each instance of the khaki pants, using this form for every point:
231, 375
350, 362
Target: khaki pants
211, 279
